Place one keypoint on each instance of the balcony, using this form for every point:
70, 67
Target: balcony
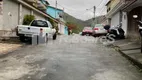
40, 5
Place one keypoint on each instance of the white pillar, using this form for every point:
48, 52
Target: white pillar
1, 15
20, 14
32, 13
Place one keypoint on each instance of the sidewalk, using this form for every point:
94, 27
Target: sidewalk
8, 46
130, 50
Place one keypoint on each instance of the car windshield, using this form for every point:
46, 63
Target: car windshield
39, 23
98, 25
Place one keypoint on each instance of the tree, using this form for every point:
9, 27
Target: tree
54, 24
72, 27
28, 19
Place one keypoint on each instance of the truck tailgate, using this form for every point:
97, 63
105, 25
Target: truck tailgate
28, 29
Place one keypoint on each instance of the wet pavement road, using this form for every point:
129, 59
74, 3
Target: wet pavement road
67, 59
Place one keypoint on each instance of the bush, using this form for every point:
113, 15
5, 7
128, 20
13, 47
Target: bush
54, 24
28, 19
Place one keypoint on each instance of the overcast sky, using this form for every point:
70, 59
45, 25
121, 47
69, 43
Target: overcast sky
77, 8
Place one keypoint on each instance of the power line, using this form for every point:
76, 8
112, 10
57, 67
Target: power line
68, 8
103, 8
100, 3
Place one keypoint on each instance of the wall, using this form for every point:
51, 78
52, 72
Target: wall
25, 11
114, 3
125, 22
53, 12
38, 16
115, 20
133, 29
10, 14
66, 30
1, 14
14, 13
61, 28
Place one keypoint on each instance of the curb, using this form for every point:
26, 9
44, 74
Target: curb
134, 61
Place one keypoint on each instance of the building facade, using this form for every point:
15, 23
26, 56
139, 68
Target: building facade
134, 8
13, 12
115, 14
58, 14
123, 13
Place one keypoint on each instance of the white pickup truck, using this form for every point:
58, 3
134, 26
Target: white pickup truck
37, 27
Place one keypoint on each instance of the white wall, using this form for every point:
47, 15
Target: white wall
10, 14
125, 22
13, 14
61, 28
38, 16
115, 20
1, 15
25, 11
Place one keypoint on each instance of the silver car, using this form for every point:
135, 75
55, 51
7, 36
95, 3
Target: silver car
99, 30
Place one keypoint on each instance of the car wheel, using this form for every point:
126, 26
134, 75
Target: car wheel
46, 38
22, 38
54, 36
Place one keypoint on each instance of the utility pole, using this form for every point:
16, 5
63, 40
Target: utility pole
56, 9
93, 20
94, 11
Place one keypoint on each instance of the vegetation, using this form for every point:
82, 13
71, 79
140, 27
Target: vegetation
80, 24
73, 27
73, 21
54, 24
28, 19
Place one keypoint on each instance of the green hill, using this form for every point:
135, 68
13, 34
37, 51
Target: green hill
80, 23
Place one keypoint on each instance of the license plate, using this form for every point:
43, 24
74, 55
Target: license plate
28, 35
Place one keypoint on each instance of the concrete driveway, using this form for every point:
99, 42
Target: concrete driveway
68, 58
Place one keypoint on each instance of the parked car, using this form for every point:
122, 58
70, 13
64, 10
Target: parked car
36, 28
87, 31
99, 30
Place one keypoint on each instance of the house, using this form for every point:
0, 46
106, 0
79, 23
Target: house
115, 15
58, 14
133, 7
12, 12
122, 12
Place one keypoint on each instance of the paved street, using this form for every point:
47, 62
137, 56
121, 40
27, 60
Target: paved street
71, 58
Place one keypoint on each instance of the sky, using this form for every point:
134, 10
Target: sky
81, 9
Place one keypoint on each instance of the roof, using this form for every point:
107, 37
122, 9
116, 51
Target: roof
55, 8
47, 2
108, 2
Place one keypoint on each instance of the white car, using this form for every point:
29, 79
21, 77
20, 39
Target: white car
37, 27
99, 30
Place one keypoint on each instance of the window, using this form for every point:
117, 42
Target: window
39, 23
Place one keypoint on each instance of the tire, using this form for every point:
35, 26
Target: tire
54, 36
46, 38
22, 38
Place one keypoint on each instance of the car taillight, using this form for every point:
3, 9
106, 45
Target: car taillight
41, 30
96, 29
